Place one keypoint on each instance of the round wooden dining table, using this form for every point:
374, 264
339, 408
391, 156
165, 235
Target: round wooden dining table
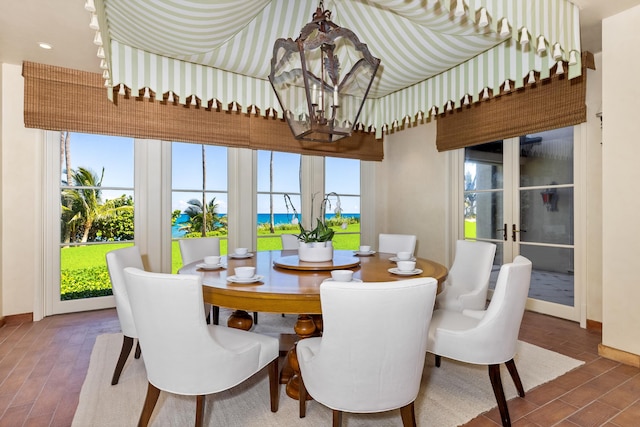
290, 286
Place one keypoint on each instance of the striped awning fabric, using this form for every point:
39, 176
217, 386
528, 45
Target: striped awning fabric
434, 53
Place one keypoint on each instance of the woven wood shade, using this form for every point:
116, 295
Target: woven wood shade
548, 104
62, 99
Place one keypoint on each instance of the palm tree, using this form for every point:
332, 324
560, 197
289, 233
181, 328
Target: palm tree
195, 213
83, 206
65, 165
204, 190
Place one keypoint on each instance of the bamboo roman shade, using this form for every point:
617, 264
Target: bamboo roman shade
547, 104
70, 100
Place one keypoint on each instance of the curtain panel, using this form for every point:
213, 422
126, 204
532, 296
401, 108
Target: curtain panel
63, 99
547, 104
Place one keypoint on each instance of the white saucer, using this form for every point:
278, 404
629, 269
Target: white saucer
236, 256
404, 273
330, 279
358, 253
396, 259
210, 266
253, 279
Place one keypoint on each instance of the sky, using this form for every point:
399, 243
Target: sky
115, 154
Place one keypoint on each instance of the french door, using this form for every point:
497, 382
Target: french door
519, 193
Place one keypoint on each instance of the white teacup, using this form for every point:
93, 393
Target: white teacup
404, 256
342, 275
212, 260
406, 265
365, 248
245, 272
241, 251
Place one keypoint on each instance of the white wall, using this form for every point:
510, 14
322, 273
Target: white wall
620, 178
414, 178
21, 206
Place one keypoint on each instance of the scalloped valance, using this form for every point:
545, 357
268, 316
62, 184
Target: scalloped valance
436, 54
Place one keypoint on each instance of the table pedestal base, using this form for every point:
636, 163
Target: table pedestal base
306, 326
240, 319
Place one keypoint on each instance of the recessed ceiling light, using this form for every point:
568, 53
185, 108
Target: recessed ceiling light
45, 45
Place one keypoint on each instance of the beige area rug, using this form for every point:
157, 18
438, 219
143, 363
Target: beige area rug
450, 395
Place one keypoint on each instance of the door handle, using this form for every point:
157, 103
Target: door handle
514, 231
504, 232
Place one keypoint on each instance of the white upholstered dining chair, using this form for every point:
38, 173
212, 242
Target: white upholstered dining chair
182, 354
487, 337
394, 243
117, 261
364, 363
289, 242
192, 250
468, 279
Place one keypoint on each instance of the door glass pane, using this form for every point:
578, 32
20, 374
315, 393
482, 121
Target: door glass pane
96, 194
483, 184
278, 197
198, 196
552, 277
552, 223
484, 167
486, 221
546, 158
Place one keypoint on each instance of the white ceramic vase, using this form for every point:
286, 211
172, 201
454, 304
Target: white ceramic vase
315, 251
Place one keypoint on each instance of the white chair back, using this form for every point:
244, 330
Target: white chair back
365, 361
117, 261
196, 249
182, 354
289, 241
394, 243
468, 279
490, 336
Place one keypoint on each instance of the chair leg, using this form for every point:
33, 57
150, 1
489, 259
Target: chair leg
337, 418
438, 360
498, 391
302, 397
408, 415
511, 366
127, 344
138, 351
149, 403
216, 314
274, 385
199, 410
255, 317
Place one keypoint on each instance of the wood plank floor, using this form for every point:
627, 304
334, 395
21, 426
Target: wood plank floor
43, 365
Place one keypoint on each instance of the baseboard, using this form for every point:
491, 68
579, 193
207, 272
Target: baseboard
619, 355
16, 319
2, 322
593, 325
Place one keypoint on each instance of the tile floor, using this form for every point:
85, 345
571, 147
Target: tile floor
43, 365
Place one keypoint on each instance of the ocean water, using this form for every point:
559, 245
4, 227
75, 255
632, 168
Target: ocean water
279, 218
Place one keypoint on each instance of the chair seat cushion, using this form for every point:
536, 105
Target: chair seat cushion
238, 340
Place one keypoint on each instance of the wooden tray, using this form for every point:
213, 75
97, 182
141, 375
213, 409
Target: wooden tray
292, 262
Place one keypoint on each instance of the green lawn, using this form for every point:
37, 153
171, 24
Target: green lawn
84, 270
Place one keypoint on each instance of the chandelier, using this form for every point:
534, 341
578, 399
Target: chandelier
322, 79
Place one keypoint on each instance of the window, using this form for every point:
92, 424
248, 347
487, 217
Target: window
199, 195
342, 201
278, 197
96, 216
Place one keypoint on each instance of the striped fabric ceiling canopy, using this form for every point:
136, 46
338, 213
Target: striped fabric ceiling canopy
435, 54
